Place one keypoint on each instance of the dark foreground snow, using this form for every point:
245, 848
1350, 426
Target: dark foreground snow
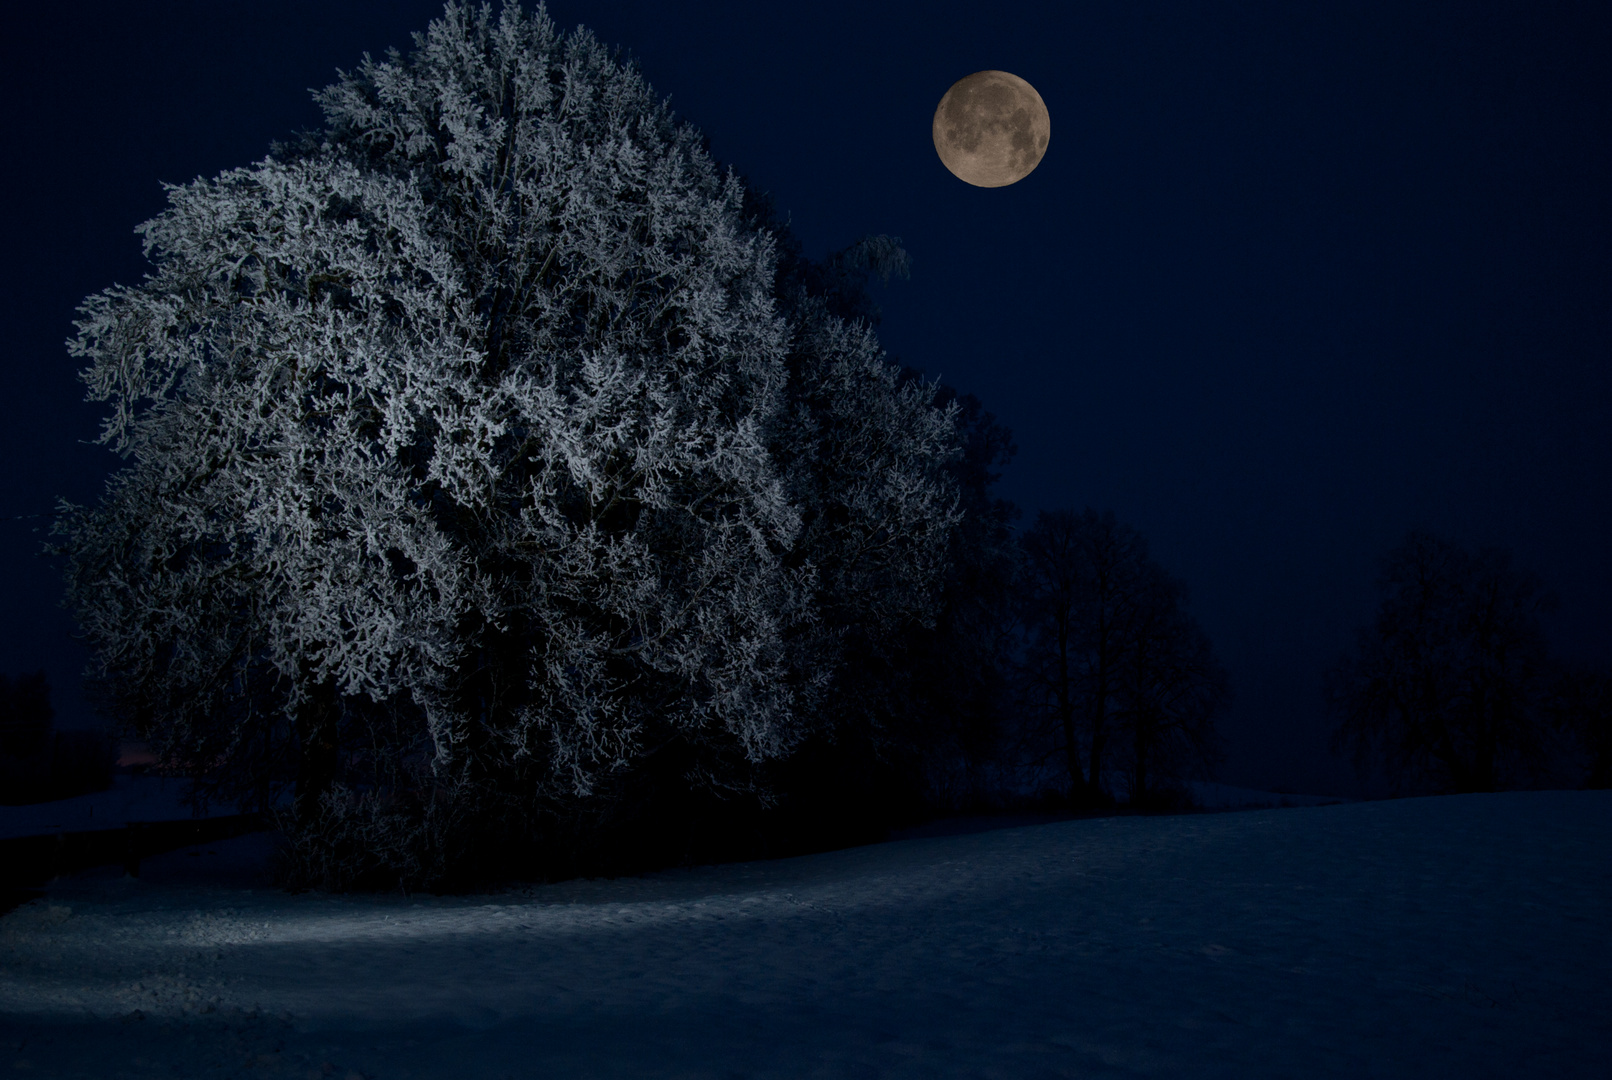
1468, 936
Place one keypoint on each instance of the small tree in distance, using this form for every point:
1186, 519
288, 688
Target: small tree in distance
1448, 687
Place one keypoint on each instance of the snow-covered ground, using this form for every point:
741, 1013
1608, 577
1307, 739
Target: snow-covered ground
1466, 936
1212, 796
139, 797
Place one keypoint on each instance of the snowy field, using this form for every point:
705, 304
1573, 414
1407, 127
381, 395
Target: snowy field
1467, 936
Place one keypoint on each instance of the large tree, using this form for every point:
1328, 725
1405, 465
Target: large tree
473, 463
1447, 688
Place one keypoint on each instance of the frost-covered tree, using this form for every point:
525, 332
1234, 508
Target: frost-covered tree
960, 705
912, 720
473, 464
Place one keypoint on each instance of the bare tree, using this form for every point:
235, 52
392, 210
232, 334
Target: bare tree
1110, 652
1076, 591
1446, 687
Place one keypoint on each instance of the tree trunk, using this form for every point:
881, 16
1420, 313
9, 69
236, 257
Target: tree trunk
1099, 718
1099, 742
1139, 792
1066, 709
315, 724
1077, 782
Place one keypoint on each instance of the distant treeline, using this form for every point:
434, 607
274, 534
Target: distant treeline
1453, 688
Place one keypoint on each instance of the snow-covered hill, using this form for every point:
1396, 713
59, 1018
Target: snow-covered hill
1466, 936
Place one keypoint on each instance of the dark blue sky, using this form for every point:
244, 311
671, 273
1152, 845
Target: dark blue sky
1290, 280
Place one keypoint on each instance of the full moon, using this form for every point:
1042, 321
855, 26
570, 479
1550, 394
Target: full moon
991, 129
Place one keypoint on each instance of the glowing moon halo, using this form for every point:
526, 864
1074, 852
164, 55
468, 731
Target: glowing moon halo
991, 129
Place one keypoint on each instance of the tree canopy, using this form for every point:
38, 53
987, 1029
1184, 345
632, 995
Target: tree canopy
473, 461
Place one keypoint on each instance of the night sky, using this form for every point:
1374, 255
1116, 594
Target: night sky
1291, 279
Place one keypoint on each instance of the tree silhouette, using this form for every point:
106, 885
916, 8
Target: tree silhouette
1171, 688
1078, 588
1446, 688
1581, 708
1110, 652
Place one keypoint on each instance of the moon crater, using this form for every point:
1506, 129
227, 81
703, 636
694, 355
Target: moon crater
991, 129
